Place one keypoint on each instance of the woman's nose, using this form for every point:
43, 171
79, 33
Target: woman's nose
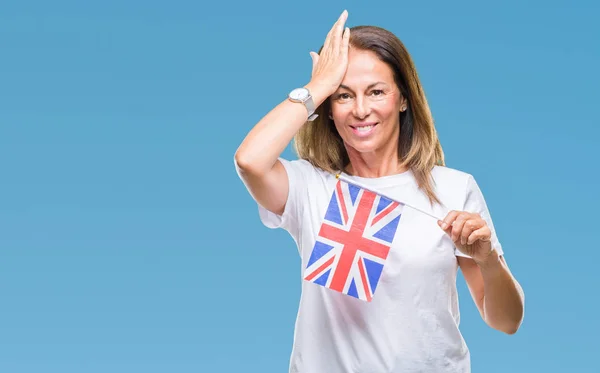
361, 107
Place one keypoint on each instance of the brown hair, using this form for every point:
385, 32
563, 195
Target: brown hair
419, 148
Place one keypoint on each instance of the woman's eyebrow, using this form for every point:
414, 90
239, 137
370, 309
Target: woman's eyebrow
370, 85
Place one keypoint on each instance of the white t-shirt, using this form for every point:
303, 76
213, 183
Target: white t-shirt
411, 323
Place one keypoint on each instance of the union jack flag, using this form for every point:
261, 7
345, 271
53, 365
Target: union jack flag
353, 241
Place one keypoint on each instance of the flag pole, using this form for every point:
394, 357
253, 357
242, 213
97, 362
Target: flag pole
341, 177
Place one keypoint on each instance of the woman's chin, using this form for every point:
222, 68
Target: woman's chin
364, 146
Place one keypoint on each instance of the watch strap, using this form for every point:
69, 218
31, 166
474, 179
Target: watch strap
308, 103
310, 107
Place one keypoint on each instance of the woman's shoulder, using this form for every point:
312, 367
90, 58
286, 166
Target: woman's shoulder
299, 163
452, 184
304, 169
443, 174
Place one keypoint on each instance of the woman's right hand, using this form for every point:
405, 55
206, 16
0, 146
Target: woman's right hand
258, 165
330, 66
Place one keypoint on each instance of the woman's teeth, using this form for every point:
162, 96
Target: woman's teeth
364, 129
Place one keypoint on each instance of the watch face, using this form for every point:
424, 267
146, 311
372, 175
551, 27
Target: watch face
299, 94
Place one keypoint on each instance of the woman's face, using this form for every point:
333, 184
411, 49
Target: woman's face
366, 107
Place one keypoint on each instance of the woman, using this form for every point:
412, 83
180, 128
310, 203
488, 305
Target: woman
364, 116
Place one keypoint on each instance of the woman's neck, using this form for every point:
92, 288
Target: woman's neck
372, 165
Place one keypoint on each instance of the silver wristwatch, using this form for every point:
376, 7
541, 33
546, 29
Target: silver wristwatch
302, 95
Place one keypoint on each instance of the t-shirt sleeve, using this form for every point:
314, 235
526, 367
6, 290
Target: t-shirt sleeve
475, 203
290, 219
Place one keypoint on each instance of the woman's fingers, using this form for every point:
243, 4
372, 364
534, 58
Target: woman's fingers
457, 226
315, 60
331, 39
469, 227
484, 233
346, 41
338, 32
448, 220
331, 62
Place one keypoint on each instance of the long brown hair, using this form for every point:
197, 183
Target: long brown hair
419, 148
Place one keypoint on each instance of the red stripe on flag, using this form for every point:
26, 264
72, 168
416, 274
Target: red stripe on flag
385, 211
318, 270
354, 241
342, 202
363, 276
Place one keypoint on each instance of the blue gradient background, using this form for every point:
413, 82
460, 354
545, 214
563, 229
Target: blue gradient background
128, 243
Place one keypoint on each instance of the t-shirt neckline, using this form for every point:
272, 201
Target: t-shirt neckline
382, 181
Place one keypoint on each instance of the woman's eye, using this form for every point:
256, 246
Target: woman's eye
377, 92
343, 96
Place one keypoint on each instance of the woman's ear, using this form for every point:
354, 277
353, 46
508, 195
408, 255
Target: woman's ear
403, 104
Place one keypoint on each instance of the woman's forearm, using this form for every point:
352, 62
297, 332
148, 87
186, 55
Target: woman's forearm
504, 299
270, 136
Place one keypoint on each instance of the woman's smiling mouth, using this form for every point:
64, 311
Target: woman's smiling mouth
363, 129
